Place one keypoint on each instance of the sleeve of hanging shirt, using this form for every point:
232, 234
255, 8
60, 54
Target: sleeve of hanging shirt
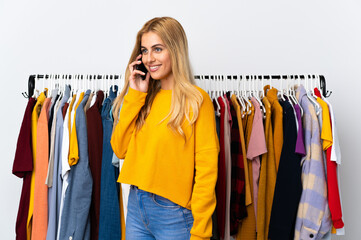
133, 102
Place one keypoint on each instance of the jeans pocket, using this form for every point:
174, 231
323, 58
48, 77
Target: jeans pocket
164, 202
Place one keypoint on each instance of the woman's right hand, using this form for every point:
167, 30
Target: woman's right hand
135, 80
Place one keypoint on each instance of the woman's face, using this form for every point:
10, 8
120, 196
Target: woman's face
156, 57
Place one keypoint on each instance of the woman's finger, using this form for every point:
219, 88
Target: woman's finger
131, 66
138, 72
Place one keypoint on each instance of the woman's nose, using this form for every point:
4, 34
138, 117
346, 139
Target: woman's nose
150, 57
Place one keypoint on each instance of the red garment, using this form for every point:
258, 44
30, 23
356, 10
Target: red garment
22, 168
66, 105
334, 202
95, 148
221, 180
238, 194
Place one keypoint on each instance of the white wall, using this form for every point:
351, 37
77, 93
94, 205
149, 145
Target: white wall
225, 37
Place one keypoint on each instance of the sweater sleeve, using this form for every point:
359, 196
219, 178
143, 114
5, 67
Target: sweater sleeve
206, 163
133, 102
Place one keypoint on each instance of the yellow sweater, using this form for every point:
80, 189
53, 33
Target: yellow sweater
158, 161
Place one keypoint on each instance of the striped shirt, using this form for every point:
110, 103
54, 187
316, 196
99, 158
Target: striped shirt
313, 217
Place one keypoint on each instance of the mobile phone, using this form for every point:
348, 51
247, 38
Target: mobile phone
142, 68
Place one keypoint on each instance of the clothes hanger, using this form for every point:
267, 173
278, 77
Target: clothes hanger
113, 86
215, 92
261, 91
280, 91
256, 96
244, 96
238, 95
311, 98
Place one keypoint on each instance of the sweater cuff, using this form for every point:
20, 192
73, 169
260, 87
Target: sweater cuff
338, 223
135, 94
194, 237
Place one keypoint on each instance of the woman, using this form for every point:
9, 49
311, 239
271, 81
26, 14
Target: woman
166, 134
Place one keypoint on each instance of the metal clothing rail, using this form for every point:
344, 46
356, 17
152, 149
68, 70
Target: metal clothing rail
31, 81
325, 92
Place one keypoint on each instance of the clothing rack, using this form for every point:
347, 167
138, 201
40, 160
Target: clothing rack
326, 93
31, 81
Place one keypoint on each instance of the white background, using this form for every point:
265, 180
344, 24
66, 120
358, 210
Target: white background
225, 37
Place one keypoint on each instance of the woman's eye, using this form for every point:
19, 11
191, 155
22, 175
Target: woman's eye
158, 49
143, 51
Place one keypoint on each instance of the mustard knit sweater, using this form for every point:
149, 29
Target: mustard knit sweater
159, 161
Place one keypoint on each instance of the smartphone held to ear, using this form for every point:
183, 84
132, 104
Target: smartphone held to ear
142, 68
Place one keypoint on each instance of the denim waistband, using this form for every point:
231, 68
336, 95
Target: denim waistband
139, 190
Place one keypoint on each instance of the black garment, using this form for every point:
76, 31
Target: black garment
288, 184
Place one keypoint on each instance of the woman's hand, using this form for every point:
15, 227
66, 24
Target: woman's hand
135, 80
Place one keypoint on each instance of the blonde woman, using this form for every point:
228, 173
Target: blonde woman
165, 131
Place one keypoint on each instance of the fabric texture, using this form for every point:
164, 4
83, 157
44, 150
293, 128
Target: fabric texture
154, 217
268, 175
191, 184
34, 124
109, 215
75, 222
54, 191
288, 187
277, 122
238, 198
95, 147
22, 168
256, 147
313, 217
40, 214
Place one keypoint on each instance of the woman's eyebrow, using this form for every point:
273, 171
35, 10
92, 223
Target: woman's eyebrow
155, 45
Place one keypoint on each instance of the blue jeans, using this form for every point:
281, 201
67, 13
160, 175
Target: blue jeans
151, 216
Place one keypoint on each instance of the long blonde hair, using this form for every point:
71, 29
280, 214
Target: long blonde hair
185, 97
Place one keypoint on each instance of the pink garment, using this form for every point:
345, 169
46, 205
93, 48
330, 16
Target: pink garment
256, 147
228, 160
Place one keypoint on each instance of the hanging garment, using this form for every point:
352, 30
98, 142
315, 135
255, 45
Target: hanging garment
95, 147
335, 157
191, 185
277, 122
54, 100
247, 229
332, 183
34, 123
238, 198
87, 105
22, 168
256, 147
267, 180
228, 160
221, 186
300, 145
109, 215
49, 176
123, 195
311, 222
288, 187
64, 167
215, 231
74, 145
40, 213
75, 222
54, 193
